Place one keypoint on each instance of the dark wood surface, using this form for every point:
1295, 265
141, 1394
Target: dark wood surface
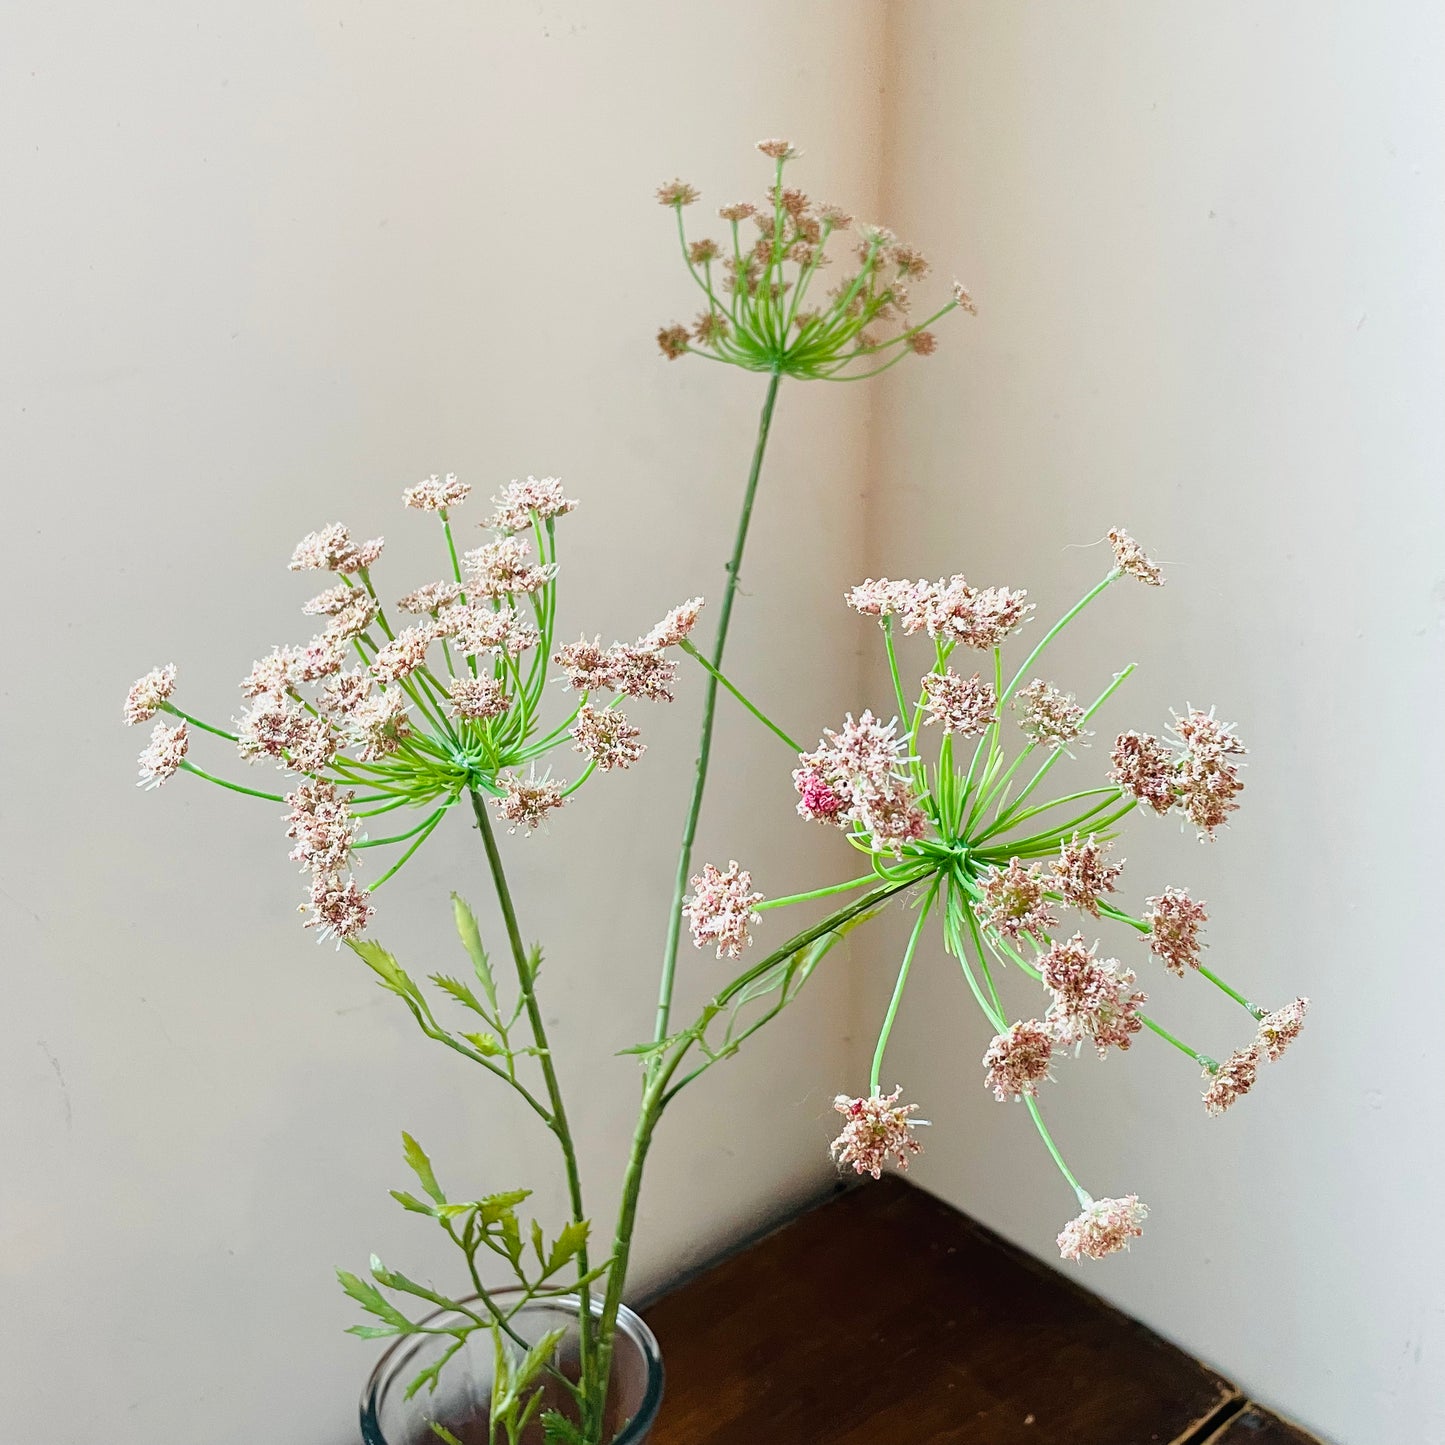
885, 1317
1255, 1426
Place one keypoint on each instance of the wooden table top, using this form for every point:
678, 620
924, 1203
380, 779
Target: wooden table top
886, 1317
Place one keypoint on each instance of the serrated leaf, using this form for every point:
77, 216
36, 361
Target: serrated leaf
534, 963
496, 1206
511, 1234
411, 1202
372, 1300
446, 1436
535, 1359
538, 1243
385, 967
471, 937
568, 1245
657, 1047
557, 1429
373, 1332
420, 1165
485, 1044
432, 1374
456, 989
394, 1280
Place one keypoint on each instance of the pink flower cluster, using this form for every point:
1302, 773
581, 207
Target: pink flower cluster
323, 828
520, 502
1106, 1225
1093, 999
721, 911
635, 669
857, 776
1235, 1077
526, 802
949, 609
1201, 781
1174, 920
1050, 717
1018, 1060
963, 706
1015, 901
875, 1129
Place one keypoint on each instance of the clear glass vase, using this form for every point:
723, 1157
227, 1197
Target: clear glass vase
461, 1399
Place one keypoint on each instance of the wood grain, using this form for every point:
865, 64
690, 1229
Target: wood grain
885, 1317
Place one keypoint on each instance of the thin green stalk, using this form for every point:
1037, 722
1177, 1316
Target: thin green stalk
1054, 631
814, 893
190, 767
1238, 997
689, 832
195, 722
893, 1003
560, 1126
756, 711
427, 829
1079, 1190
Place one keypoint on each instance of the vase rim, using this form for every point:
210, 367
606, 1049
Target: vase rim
629, 1323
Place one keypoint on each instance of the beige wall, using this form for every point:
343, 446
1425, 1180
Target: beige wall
265, 264
1206, 243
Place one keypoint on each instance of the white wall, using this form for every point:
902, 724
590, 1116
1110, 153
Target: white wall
263, 265
1206, 244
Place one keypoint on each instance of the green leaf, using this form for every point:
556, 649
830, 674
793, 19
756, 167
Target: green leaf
471, 937
537, 1243
461, 993
420, 1165
385, 967
411, 1202
372, 1301
446, 1436
534, 964
511, 1235
432, 1374
659, 1046
557, 1429
495, 1207
373, 1332
534, 1360
569, 1243
392, 1280
485, 1044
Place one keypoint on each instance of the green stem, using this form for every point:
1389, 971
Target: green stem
195, 722
893, 1003
815, 893
1079, 1190
756, 711
689, 832
559, 1125
1238, 997
426, 831
234, 787
1053, 632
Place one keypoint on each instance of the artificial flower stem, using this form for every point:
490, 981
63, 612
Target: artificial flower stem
756, 711
689, 831
195, 722
560, 1126
190, 767
1178, 1043
893, 1003
1079, 1190
814, 893
1238, 997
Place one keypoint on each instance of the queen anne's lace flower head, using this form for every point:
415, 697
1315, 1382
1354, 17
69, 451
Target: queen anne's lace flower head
677, 625
148, 694
1082, 873
478, 697
527, 801
1207, 780
964, 706
606, 737
503, 568
340, 909
1018, 1060
587, 666
379, 726
1106, 1225
875, 1129
278, 672
520, 501
161, 758
322, 825
430, 598
1049, 717
1015, 901
478, 627
433, 494
1094, 999
1144, 768
404, 654
352, 620
641, 671
1232, 1079
677, 193
721, 911
1174, 920
879, 597
331, 601
1278, 1030
857, 775
1130, 557
332, 550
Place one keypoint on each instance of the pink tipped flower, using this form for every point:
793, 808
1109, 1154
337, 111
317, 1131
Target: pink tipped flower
1018, 1060
431, 598
965, 706
343, 693
333, 600
963, 299
404, 654
434, 494
273, 725
678, 624
721, 910
606, 737
1174, 920
672, 341
478, 697
978, 617
332, 550
478, 627
586, 666
320, 658
779, 150
527, 801
162, 756
677, 193
353, 619
341, 910
1277, 1031
1083, 873
1094, 999
922, 343
378, 726
1207, 779
502, 568
1144, 768
1050, 717
737, 211
1130, 557
540, 497
1106, 1225
642, 672
878, 598
1232, 1079
875, 1129
278, 672
148, 694
322, 825
818, 798
857, 775
1014, 901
